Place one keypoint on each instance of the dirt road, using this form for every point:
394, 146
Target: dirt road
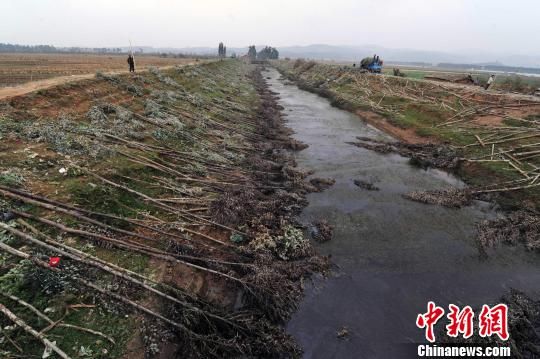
7, 92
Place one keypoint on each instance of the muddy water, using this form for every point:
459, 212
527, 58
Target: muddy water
392, 255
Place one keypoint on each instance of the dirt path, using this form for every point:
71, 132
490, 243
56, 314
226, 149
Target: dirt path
7, 92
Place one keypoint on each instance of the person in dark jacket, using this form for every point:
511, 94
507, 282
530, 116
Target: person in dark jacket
131, 62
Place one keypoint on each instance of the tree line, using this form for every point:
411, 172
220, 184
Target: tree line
27, 48
52, 49
268, 53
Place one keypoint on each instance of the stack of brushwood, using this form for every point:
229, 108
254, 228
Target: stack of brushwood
452, 197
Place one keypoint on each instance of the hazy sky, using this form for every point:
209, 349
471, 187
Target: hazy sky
450, 25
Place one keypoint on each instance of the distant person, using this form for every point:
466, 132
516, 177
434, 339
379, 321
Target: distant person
131, 62
489, 82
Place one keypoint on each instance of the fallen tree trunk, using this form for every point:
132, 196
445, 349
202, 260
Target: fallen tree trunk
32, 332
52, 322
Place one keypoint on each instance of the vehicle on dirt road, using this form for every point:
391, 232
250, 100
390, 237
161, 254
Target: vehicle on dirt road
372, 64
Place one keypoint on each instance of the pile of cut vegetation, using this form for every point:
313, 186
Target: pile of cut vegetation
452, 197
521, 226
421, 155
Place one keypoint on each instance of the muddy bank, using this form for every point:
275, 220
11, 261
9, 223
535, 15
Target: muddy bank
268, 212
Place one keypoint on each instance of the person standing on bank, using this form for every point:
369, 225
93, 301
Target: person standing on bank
489, 82
131, 62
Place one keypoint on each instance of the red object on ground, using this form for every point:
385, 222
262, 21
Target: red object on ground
54, 261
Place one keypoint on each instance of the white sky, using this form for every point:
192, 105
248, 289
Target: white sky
501, 26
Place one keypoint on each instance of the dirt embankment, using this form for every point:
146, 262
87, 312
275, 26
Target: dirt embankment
170, 198
406, 135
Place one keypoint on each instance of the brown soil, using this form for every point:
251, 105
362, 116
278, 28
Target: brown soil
41, 84
497, 119
488, 121
404, 135
134, 348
